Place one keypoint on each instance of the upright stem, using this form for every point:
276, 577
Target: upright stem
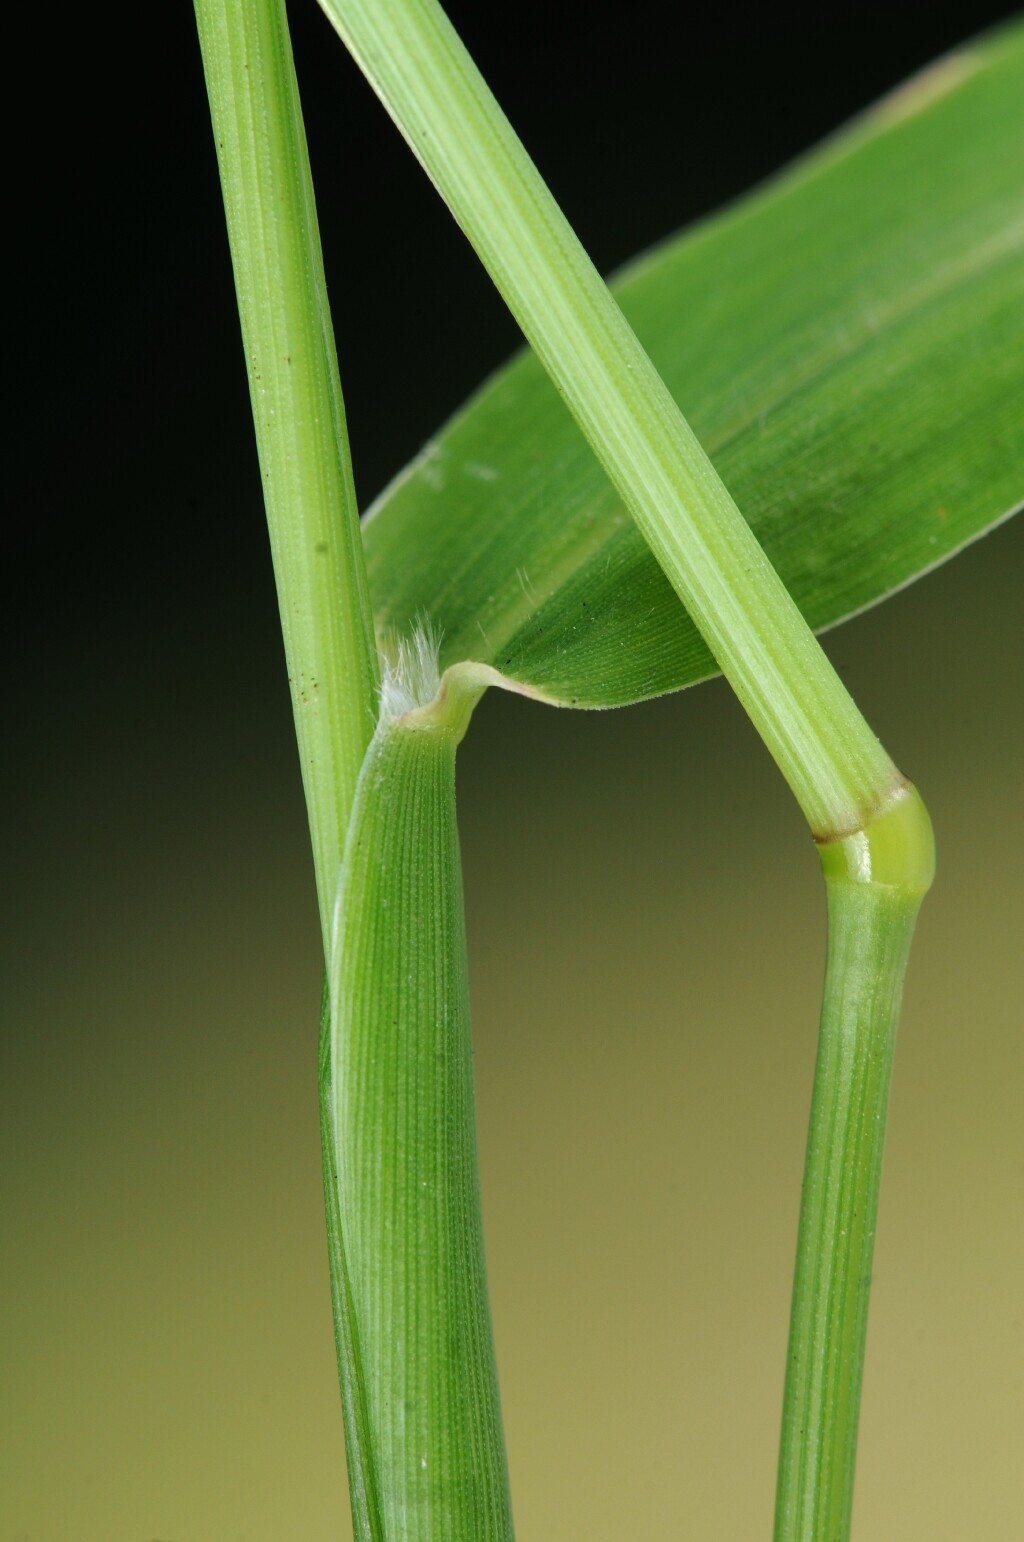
875, 882
297, 408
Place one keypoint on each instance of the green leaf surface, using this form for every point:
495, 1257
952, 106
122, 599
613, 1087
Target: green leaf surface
848, 344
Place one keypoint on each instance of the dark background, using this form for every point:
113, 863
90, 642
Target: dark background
169, 1358
131, 445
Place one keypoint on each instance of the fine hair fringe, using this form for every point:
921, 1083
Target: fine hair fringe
410, 674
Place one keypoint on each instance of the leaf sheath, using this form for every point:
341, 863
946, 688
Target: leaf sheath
421, 1398
875, 882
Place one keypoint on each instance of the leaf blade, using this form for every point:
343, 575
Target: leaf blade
828, 409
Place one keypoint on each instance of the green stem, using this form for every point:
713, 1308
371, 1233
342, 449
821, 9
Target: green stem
297, 408
310, 503
411, 55
875, 882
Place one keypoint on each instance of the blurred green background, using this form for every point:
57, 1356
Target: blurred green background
644, 908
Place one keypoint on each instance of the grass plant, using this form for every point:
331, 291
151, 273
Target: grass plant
452, 556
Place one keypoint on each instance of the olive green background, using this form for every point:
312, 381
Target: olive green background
645, 921
646, 944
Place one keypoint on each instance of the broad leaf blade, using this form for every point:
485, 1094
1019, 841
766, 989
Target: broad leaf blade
848, 343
